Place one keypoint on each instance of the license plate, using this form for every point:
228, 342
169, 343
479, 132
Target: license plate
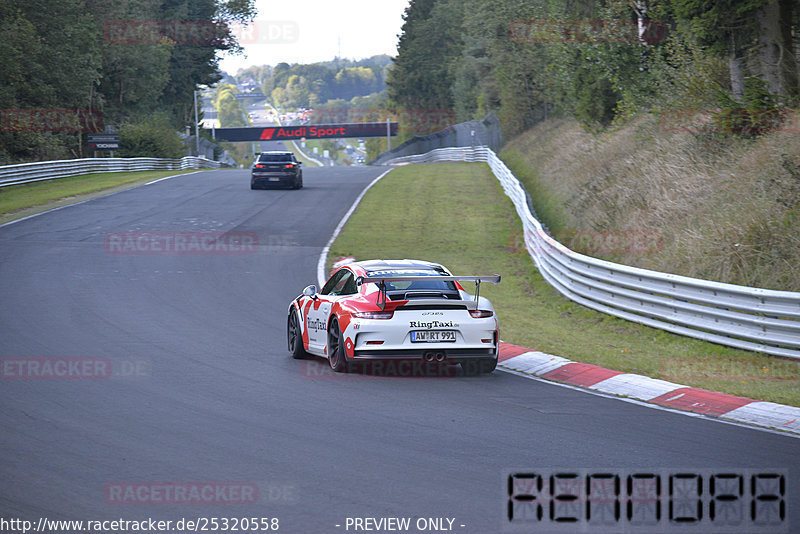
433, 336
273, 179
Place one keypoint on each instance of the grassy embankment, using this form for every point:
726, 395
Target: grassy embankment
724, 208
17, 201
457, 214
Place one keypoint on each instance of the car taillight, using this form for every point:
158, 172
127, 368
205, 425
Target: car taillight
290, 166
259, 166
480, 314
374, 315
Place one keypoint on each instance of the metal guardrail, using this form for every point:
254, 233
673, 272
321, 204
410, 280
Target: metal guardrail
48, 170
761, 320
486, 132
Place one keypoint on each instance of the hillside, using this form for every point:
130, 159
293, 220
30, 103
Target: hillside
336, 82
720, 208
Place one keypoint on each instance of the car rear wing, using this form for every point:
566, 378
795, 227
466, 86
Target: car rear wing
381, 281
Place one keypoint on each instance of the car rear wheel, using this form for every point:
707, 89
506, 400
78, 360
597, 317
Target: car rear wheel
336, 355
294, 337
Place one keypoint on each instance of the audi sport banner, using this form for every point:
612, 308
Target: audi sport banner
308, 131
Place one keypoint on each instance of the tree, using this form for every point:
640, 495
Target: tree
152, 137
123, 58
421, 78
50, 61
779, 67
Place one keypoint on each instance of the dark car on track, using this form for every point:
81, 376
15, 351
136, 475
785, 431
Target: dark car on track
276, 168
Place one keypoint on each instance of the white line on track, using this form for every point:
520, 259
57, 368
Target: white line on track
93, 198
168, 177
323, 257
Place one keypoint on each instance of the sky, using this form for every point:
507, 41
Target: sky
306, 31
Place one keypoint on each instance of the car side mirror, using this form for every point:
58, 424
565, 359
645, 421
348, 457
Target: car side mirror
310, 291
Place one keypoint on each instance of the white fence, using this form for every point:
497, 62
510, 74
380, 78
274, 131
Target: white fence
761, 320
48, 170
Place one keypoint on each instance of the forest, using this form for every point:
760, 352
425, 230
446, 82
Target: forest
133, 64
333, 83
600, 61
88, 64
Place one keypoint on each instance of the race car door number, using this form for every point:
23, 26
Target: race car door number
432, 336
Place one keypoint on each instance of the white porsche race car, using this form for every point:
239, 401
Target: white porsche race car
395, 309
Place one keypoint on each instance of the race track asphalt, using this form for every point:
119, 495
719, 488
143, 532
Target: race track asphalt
204, 389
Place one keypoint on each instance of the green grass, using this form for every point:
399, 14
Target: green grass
18, 201
298, 153
458, 215
548, 207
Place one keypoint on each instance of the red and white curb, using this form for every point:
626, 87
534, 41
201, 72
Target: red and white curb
660, 392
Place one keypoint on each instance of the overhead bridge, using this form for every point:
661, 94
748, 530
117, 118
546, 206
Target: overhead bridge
307, 131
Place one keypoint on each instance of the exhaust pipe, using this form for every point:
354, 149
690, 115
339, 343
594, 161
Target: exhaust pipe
434, 357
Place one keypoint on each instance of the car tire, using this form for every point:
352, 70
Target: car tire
294, 337
253, 186
336, 355
488, 365
483, 366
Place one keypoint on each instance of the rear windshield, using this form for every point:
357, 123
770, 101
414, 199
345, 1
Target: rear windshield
275, 157
400, 285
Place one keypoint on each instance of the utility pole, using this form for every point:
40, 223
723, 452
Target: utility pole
196, 125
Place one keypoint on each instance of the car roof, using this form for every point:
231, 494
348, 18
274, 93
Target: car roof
277, 152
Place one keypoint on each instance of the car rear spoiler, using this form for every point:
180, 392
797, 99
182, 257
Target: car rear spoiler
381, 281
